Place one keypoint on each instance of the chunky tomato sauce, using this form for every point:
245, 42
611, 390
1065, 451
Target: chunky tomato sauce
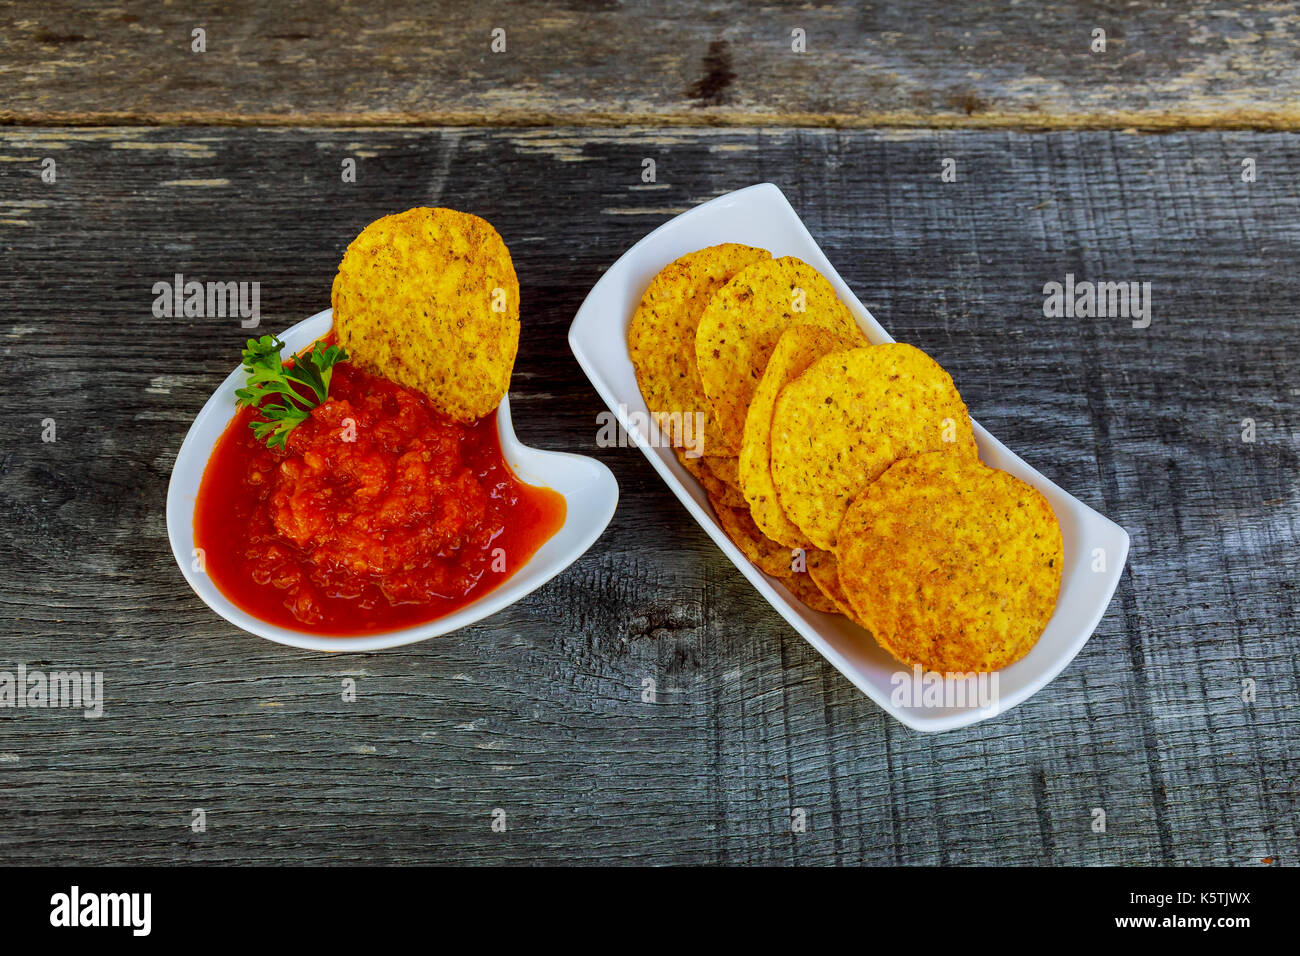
380, 513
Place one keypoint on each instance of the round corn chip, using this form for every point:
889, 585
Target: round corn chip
768, 556
712, 486
724, 469
661, 341
797, 348
824, 571
742, 323
850, 416
804, 587
951, 564
428, 298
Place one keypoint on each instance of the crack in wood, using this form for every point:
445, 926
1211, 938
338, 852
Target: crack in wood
700, 116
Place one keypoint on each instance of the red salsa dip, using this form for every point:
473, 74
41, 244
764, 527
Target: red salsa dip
379, 514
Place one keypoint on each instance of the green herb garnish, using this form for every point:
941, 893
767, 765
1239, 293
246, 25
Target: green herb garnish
300, 386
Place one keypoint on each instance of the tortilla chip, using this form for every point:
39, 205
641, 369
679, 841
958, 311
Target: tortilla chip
742, 323
803, 587
768, 556
851, 415
712, 486
824, 572
797, 348
951, 564
428, 298
661, 341
724, 469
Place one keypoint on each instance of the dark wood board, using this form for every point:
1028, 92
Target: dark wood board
538, 710
586, 62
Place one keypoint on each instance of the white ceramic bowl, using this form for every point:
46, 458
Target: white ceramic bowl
588, 487
761, 216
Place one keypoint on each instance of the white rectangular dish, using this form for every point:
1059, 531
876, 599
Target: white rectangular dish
761, 216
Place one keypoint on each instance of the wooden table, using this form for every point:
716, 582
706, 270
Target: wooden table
226, 166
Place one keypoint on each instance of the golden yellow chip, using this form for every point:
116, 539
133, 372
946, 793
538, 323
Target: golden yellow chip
824, 571
803, 586
714, 488
742, 323
724, 469
661, 342
768, 556
851, 415
797, 348
951, 564
428, 298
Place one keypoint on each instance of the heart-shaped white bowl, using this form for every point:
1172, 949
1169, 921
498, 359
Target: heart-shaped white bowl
589, 489
1095, 547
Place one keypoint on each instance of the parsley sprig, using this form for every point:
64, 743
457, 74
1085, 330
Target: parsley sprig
299, 387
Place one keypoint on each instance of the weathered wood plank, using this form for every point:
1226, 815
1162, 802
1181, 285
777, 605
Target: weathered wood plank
539, 710
412, 62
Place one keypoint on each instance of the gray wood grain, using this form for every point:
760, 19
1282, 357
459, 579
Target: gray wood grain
538, 710
922, 63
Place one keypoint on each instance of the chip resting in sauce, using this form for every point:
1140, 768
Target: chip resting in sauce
363, 489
